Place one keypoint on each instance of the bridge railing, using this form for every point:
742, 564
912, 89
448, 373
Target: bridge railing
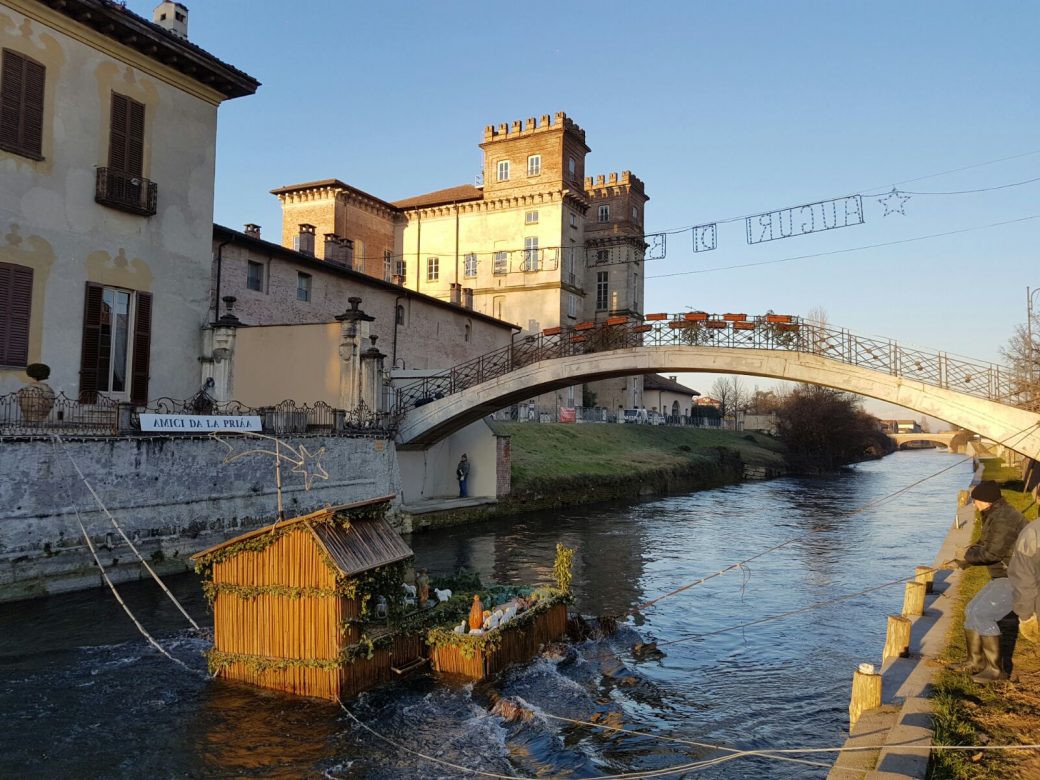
769, 331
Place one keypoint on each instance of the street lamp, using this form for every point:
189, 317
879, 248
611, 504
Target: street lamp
1030, 295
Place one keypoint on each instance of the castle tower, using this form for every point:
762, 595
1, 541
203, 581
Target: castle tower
533, 156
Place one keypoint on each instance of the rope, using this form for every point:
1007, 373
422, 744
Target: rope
115, 592
100, 503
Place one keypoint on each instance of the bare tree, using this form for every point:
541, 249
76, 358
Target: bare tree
817, 322
732, 396
1023, 356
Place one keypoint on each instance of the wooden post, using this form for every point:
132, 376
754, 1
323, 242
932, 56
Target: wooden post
913, 599
866, 692
897, 640
925, 574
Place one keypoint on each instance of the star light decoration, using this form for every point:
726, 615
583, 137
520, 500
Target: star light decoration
304, 462
894, 202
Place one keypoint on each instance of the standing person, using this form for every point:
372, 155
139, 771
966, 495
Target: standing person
461, 474
1024, 574
1001, 525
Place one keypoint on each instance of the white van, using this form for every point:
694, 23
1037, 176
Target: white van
633, 416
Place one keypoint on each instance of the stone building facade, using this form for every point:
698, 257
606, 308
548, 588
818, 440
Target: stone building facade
107, 146
537, 244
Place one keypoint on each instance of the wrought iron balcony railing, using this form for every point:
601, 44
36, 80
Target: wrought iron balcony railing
134, 194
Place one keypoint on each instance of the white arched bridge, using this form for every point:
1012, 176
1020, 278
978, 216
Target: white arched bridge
978, 396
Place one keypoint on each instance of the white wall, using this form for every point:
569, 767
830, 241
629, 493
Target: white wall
431, 473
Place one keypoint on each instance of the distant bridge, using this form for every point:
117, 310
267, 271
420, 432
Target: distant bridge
978, 396
954, 441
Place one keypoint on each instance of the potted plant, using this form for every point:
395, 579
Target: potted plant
36, 400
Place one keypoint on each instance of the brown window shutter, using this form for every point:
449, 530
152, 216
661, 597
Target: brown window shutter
135, 139
91, 352
141, 350
16, 282
21, 104
117, 133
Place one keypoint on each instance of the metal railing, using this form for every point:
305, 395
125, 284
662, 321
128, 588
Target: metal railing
119, 190
991, 381
36, 411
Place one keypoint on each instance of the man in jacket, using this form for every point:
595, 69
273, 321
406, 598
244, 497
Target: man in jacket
1001, 525
462, 474
1024, 574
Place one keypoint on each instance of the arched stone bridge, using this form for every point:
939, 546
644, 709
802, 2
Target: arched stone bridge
954, 441
974, 395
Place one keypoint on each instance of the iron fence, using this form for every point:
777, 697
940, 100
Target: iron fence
771, 332
36, 410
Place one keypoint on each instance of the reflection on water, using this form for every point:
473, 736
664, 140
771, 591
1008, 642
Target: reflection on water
83, 696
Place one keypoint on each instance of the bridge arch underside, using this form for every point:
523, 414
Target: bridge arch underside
953, 441
1017, 429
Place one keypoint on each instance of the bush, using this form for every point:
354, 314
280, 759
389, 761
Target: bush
38, 371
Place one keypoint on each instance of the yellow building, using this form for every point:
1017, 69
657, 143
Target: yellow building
107, 146
537, 244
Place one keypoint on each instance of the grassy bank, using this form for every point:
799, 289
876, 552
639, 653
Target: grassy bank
1001, 713
563, 464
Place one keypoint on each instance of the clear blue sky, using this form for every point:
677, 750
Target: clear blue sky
723, 109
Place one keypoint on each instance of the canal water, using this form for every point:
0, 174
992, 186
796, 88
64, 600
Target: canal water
83, 695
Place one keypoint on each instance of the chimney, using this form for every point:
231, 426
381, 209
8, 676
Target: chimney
304, 242
674, 378
253, 231
172, 17
456, 293
467, 297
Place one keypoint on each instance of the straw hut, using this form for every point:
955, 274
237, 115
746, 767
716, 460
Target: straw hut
296, 604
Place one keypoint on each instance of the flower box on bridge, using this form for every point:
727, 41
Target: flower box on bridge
717, 324
696, 316
552, 331
578, 339
619, 320
642, 328
734, 317
779, 318
585, 326
682, 324
656, 316
743, 326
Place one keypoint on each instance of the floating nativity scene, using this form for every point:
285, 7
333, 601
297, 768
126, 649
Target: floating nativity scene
319, 605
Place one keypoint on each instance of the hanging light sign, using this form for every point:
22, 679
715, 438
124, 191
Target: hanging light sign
802, 220
705, 237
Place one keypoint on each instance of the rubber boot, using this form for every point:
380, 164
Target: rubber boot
975, 661
994, 669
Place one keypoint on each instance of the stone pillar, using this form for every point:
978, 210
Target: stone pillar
372, 377
218, 359
354, 326
503, 466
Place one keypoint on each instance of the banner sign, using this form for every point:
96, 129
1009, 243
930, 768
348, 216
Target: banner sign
705, 237
802, 220
568, 414
199, 423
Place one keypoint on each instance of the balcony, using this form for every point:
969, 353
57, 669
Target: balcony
133, 194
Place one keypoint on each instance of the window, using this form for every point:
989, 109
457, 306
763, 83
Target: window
602, 294
303, 286
388, 264
574, 220
255, 276
635, 214
116, 350
572, 167
534, 165
531, 217
469, 265
433, 269
400, 267
126, 136
572, 305
531, 253
503, 170
400, 314
501, 263
602, 255
21, 105
604, 213
16, 284
359, 254
468, 332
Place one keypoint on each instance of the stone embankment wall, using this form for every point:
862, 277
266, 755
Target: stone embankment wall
173, 497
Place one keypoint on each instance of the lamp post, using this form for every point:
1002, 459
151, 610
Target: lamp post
1030, 295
